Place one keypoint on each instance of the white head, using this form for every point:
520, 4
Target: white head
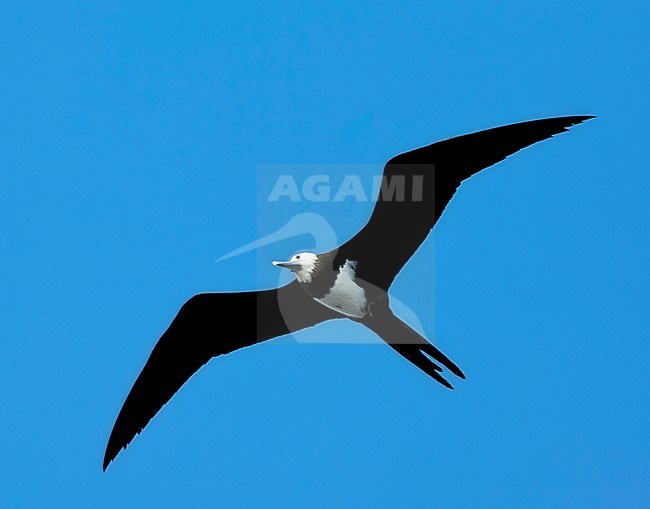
301, 264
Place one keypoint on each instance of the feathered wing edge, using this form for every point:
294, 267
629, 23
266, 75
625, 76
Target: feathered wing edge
209, 325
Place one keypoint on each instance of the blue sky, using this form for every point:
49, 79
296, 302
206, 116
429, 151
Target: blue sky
135, 146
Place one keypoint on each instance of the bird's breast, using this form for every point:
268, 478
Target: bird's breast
345, 295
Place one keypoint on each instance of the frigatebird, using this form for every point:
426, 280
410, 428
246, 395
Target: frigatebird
351, 281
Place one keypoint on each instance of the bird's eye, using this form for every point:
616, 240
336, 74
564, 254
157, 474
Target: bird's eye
297, 257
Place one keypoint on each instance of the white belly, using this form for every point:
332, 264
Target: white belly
346, 296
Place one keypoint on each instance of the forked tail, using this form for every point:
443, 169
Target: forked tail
410, 344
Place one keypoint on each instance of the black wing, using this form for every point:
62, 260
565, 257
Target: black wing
209, 325
418, 185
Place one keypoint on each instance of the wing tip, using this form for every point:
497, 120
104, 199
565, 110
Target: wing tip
113, 449
558, 125
570, 121
111, 453
108, 458
578, 119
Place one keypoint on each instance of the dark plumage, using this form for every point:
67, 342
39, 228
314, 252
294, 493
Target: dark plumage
351, 281
327, 273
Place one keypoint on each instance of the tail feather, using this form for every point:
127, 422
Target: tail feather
413, 354
411, 345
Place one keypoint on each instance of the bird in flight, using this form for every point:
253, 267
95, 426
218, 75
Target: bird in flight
350, 282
